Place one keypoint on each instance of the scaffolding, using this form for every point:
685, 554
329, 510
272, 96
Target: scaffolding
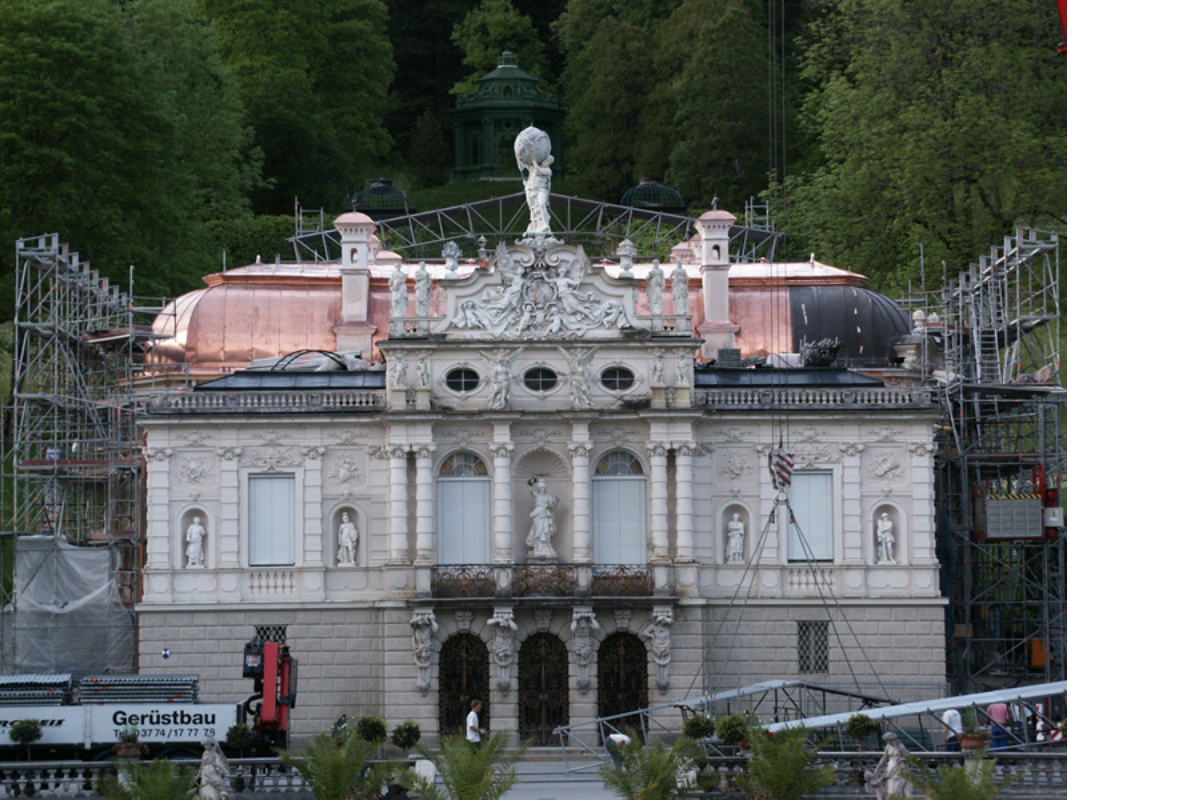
991, 343
595, 225
72, 462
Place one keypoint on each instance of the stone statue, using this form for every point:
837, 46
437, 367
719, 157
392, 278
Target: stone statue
580, 377
501, 377
532, 149
424, 626
423, 371
626, 251
542, 529
213, 773
887, 779
656, 369
655, 282
683, 368
398, 283
347, 554
195, 543
735, 539
583, 622
503, 646
397, 371
885, 538
658, 631
679, 288
452, 253
820, 354
424, 291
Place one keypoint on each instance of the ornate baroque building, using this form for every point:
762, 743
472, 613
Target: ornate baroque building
537, 484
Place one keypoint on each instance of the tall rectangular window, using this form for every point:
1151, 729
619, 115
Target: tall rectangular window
619, 520
813, 646
811, 498
272, 510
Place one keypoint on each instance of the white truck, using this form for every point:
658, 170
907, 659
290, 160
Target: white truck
86, 719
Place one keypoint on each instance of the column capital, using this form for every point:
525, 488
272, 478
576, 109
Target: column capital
501, 449
424, 449
313, 453
658, 448
229, 453
579, 447
688, 448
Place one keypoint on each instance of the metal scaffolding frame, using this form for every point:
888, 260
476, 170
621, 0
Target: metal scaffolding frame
598, 226
992, 347
72, 462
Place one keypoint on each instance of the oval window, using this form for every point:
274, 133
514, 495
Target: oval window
541, 379
618, 379
462, 379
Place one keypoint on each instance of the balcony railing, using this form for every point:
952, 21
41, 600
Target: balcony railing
269, 402
745, 399
543, 580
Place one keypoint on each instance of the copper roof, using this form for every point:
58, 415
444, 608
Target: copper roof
268, 310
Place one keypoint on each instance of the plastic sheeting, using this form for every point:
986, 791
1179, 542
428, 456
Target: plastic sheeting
69, 615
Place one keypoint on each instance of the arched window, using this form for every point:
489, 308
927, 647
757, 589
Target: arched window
619, 509
464, 498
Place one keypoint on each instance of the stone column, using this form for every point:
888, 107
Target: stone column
398, 544
685, 551
659, 547
774, 549
426, 525
313, 525
502, 450
581, 497
229, 537
159, 524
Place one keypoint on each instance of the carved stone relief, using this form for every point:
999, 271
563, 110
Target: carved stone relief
885, 469
424, 626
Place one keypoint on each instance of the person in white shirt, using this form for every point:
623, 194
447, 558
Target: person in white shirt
474, 732
613, 744
952, 720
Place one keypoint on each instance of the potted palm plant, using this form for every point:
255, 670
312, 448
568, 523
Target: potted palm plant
974, 735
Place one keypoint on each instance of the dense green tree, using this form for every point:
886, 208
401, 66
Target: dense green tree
216, 167
721, 122
940, 124
91, 143
605, 86
486, 31
577, 24
314, 76
427, 157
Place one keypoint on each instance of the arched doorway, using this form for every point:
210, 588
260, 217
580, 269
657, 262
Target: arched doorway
462, 677
623, 676
545, 688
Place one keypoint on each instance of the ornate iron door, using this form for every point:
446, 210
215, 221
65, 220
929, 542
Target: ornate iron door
624, 676
462, 677
545, 688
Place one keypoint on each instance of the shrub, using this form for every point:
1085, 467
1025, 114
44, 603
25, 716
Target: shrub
372, 728
25, 731
782, 766
406, 735
736, 727
699, 727
468, 772
708, 780
651, 772
336, 770
157, 780
240, 737
973, 780
862, 727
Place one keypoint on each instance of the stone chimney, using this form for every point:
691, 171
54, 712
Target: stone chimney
718, 331
354, 331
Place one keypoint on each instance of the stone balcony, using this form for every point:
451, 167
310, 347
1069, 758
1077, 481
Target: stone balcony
784, 397
541, 581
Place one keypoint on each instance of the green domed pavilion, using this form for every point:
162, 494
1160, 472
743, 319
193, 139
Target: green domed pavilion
487, 120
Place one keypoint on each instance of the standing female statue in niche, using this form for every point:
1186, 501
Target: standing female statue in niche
541, 532
195, 543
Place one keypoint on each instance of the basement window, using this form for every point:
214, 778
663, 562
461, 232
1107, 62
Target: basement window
813, 647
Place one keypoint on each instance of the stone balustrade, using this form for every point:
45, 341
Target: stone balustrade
279, 402
782, 397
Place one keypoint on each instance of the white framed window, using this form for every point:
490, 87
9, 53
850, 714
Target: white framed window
271, 501
811, 498
619, 509
464, 502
